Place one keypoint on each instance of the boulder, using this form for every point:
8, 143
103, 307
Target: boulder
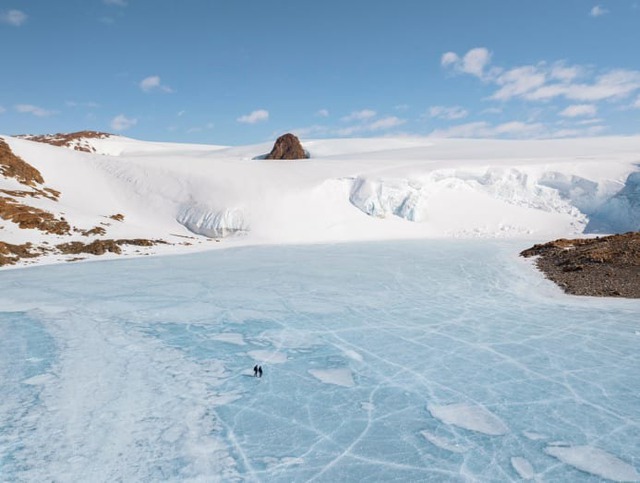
287, 146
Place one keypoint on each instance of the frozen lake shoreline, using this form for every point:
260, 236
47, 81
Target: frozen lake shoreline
420, 360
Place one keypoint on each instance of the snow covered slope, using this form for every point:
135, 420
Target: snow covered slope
351, 189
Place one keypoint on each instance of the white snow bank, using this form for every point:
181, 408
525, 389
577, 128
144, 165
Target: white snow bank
595, 461
467, 416
350, 190
339, 377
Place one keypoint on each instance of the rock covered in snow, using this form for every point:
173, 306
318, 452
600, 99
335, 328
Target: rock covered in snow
287, 146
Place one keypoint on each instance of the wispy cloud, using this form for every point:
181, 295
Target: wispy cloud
153, 84
637, 103
579, 110
2, 109
322, 113
13, 17
259, 115
598, 11
89, 105
482, 129
514, 130
544, 81
371, 126
448, 113
195, 129
122, 122
362, 115
35, 110
117, 3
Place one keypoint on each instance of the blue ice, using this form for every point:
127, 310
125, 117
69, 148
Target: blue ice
404, 361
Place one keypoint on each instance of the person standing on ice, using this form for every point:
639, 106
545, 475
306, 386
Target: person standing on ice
259, 371
255, 370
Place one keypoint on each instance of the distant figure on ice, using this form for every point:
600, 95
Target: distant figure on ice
255, 370
259, 371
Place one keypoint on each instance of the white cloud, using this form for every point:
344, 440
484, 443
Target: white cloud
181, 113
491, 110
598, 11
121, 122
118, 3
543, 82
322, 113
482, 129
564, 73
371, 126
473, 62
449, 58
518, 81
256, 116
448, 113
637, 103
152, 83
35, 110
89, 105
615, 84
2, 109
362, 115
385, 123
579, 110
13, 17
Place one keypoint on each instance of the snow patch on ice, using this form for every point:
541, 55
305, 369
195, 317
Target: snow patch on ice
595, 461
467, 416
268, 356
443, 443
339, 377
231, 338
523, 467
39, 379
533, 436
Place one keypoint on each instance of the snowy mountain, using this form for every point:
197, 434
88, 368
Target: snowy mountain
180, 197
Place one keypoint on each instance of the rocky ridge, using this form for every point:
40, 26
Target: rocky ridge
604, 266
75, 140
15, 208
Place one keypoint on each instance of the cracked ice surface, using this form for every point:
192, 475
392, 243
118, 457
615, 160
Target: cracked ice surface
412, 361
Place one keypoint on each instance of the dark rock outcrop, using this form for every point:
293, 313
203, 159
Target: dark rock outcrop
287, 146
604, 266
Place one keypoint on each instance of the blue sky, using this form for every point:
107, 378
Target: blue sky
239, 72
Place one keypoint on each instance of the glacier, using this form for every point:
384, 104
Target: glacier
415, 361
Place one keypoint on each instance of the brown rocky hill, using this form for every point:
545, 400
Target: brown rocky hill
74, 140
287, 146
17, 212
605, 266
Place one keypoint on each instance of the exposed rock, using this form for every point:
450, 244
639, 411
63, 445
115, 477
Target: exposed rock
29, 217
11, 254
604, 266
117, 217
96, 230
100, 247
74, 140
287, 146
13, 166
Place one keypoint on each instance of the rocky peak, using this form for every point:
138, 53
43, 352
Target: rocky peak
287, 146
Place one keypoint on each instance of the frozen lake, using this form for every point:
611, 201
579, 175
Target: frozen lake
412, 361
